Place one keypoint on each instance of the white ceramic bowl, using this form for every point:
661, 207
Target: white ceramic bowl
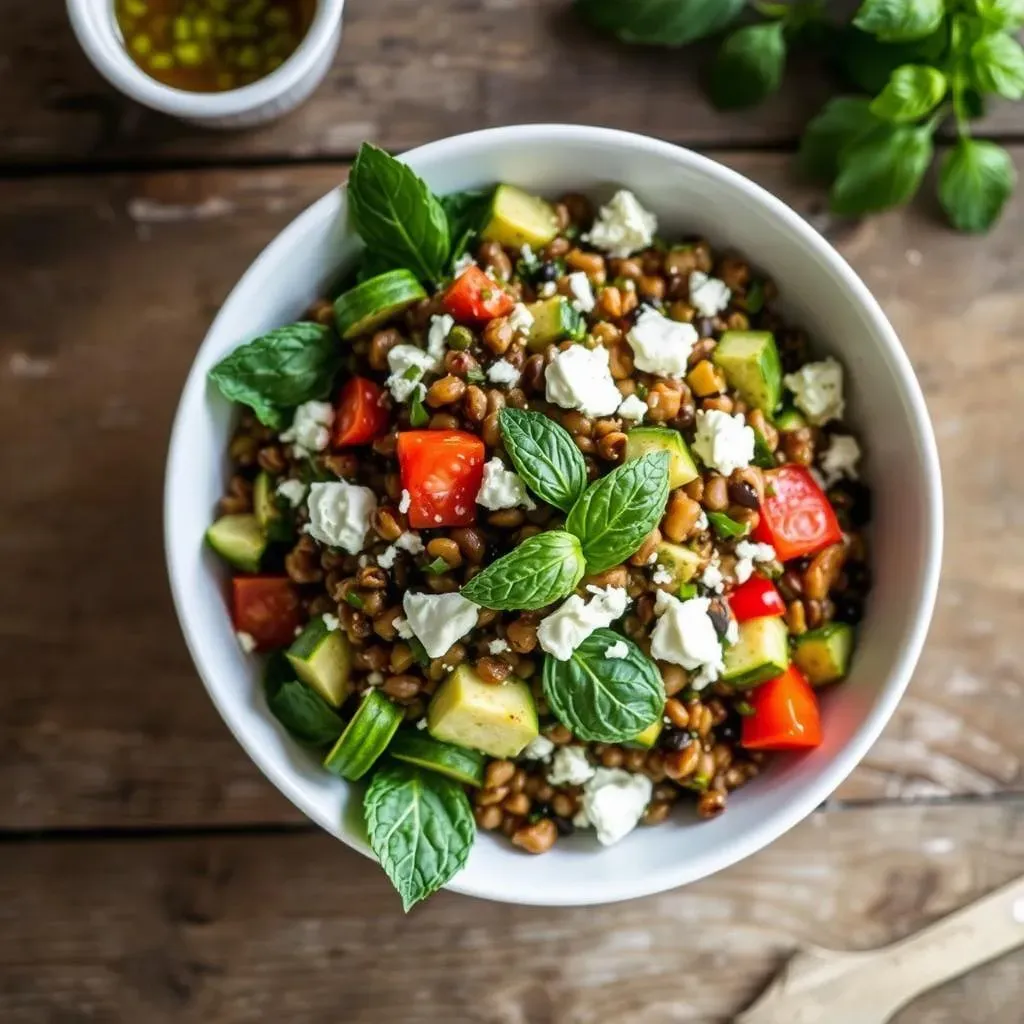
270, 97
690, 194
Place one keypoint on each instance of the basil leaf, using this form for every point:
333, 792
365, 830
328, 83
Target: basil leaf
913, 91
545, 456
841, 122
867, 63
302, 711
897, 21
280, 370
882, 169
543, 569
660, 22
726, 527
397, 216
749, 66
975, 180
608, 700
420, 827
998, 65
1004, 14
466, 213
619, 510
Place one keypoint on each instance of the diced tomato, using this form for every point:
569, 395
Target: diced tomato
360, 415
786, 714
442, 470
267, 608
755, 599
796, 517
474, 296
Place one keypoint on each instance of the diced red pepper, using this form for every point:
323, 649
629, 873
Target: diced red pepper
786, 714
796, 517
360, 415
267, 608
473, 296
755, 599
442, 470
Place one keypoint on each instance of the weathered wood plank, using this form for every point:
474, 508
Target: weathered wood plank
297, 928
108, 285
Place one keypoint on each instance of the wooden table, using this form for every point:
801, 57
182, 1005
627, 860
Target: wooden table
148, 873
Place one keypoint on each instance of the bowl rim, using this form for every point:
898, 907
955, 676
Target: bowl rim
895, 684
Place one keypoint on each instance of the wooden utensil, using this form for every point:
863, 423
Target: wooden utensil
869, 987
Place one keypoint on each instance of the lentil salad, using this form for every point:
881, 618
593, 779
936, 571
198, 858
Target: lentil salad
546, 524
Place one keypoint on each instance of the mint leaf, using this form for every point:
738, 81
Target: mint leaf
543, 569
302, 711
607, 700
420, 827
660, 22
545, 456
841, 122
896, 21
975, 180
749, 66
280, 370
619, 510
1004, 14
466, 213
397, 216
998, 65
913, 91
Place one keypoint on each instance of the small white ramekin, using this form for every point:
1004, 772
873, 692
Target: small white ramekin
279, 92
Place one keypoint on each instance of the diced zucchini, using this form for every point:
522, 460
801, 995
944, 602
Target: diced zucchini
457, 763
322, 659
365, 738
789, 420
823, 655
649, 737
554, 319
375, 301
276, 522
751, 364
760, 653
238, 539
519, 219
682, 562
499, 720
681, 467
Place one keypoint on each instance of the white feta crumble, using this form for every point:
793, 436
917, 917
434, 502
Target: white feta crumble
744, 569
408, 541
503, 373
547, 289
579, 378
570, 767
332, 622
732, 632
723, 442
462, 264
538, 749
713, 579
818, 390
408, 364
685, 635
623, 226
520, 319
438, 620
498, 646
310, 430
502, 488
339, 514
708, 294
375, 678
633, 408
582, 293
840, 459
702, 521
749, 553
421, 724
617, 650
293, 491
561, 632
405, 502
386, 559
527, 253
661, 575
661, 345
437, 337
246, 641
614, 801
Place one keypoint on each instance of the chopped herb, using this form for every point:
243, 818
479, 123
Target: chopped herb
726, 527
418, 415
755, 296
353, 598
475, 376
413, 373
437, 567
743, 708
419, 652
687, 590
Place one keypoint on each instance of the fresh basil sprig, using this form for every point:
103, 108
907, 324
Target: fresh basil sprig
421, 829
749, 66
302, 711
912, 92
607, 700
661, 22
975, 181
900, 21
545, 456
280, 370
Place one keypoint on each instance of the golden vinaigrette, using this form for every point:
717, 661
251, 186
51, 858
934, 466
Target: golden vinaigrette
212, 45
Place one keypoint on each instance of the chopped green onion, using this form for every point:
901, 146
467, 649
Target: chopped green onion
418, 415
726, 527
437, 567
354, 599
764, 457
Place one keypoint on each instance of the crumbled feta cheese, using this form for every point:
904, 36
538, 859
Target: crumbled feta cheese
408, 541
503, 373
538, 749
406, 501
632, 408
713, 579
723, 442
527, 253
614, 801
437, 337
407, 364
661, 345
502, 488
755, 551
386, 559
623, 226
732, 632
840, 459
702, 521
404, 629
661, 575
310, 429
685, 635
331, 621
246, 641
339, 514
582, 292
818, 390
421, 724
293, 491
579, 378
438, 620
498, 646
547, 289
744, 569
708, 294
463, 263
375, 678
520, 319
570, 767
561, 632
617, 650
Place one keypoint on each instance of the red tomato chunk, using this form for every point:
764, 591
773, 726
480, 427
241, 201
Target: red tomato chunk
755, 599
442, 470
360, 415
267, 608
473, 296
786, 715
796, 517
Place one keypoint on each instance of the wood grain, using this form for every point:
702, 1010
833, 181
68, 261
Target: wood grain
111, 283
296, 928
